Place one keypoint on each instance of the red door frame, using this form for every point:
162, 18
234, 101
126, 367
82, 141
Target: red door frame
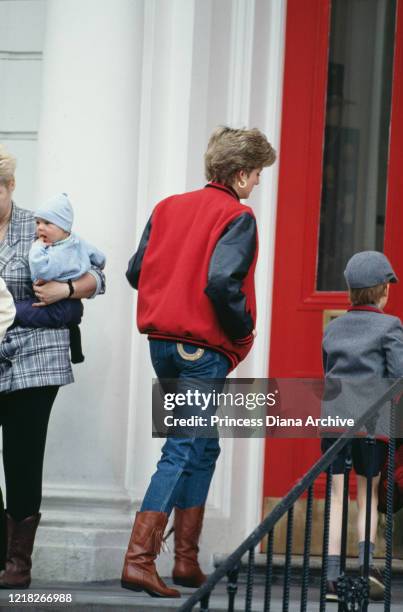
297, 317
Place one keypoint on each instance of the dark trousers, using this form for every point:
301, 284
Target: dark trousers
24, 417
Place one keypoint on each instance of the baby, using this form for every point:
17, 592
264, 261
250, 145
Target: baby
7, 309
58, 255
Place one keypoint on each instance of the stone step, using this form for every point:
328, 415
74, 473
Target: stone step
110, 597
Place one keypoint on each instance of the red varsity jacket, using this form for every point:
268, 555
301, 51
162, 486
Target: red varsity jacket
194, 271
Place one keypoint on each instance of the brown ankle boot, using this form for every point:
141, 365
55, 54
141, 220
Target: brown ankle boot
139, 571
187, 528
20, 543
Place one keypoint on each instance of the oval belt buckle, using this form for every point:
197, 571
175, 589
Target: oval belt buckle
189, 356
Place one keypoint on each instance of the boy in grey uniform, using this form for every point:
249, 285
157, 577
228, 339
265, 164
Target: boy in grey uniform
364, 345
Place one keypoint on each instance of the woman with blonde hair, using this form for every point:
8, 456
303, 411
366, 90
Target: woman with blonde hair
34, 363
194, 271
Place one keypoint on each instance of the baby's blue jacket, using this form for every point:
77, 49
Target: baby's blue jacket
63, 260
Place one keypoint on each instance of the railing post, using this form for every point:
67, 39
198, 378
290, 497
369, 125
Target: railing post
269, 572
232, 587
371, 454
389, 508
249, 580
344, 527
287, 567
204, 604
307, 550
325, 545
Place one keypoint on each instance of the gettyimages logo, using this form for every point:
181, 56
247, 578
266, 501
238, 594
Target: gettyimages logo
194, 398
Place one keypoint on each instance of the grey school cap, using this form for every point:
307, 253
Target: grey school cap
367, 269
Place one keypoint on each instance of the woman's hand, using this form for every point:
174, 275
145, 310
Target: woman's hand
53, 291
50, 292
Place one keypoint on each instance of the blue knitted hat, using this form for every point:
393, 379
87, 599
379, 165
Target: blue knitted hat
57, 210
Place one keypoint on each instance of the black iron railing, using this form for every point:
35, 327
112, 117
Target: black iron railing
353, 593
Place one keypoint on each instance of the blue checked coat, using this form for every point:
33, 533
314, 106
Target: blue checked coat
30, 357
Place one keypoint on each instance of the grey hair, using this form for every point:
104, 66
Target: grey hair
8, 164
230, 150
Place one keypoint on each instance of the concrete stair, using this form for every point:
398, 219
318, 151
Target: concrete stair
108, 596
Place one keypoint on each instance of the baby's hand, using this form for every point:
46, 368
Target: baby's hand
40, 241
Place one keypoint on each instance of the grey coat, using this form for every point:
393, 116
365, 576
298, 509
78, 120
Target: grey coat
362, 356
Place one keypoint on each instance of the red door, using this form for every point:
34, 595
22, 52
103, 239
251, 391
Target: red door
330, 202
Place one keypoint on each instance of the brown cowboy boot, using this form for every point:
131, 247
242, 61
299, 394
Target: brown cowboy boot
187, 528
139, 571
20, 543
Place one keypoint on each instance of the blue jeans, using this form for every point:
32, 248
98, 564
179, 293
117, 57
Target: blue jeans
187, 465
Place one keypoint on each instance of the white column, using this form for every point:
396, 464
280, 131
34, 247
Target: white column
164, 119
254, 98
88, 147
163, 141
265, 112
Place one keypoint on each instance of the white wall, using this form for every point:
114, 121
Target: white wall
22, 26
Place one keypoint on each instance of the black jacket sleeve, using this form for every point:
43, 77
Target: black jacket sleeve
229, 265
134, 266
58, 314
